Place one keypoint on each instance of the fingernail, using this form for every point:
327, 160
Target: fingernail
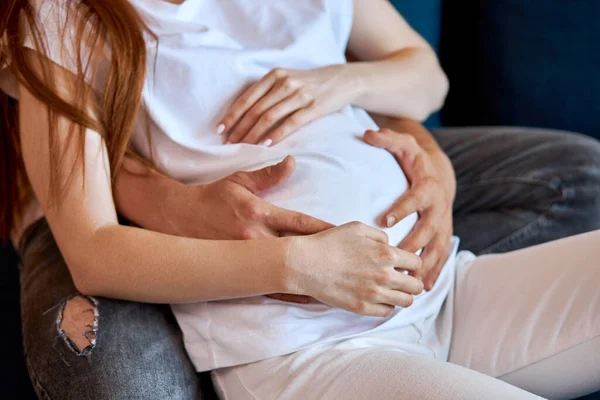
267, 142
220, 129
391, 221
228, 142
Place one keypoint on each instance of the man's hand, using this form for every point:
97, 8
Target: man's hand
433, 187
231, 209
228, 209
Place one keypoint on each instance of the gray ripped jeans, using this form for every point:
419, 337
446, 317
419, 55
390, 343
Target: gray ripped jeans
516, 188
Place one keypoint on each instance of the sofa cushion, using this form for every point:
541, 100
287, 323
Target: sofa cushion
14, 380
528, 63
425, 17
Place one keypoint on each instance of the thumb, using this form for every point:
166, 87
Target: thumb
268, 177
399, 144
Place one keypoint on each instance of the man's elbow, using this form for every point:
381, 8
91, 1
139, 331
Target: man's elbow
440, 91
434, 93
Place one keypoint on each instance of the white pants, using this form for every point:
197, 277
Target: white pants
523, 322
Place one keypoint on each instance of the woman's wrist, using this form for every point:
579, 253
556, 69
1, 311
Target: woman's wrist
293, 265
357, 78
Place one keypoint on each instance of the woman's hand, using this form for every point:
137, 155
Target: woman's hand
352, 267
433, 187
286, 99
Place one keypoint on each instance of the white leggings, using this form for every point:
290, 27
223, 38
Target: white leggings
523, 322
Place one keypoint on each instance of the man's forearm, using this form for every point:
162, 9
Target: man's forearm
414, 72
141, 195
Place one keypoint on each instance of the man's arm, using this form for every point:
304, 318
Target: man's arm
226, 209
399, 72
426, 141
432, 191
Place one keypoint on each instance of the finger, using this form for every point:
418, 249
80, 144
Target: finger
290, 298
241, 106
397, 298
399, 144
272, 117
431, 255
424, 230
375, 310
286, 221
370, 233
405, 283
258, 233
418, 198
442, 250
293, 122
281, 90
265, 178
403, 260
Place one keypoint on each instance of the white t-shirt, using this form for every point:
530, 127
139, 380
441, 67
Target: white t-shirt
209, 51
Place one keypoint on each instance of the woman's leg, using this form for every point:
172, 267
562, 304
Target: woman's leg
532, 317
84, 348
359, 370
520, 187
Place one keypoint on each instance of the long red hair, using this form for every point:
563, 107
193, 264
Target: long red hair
94, 23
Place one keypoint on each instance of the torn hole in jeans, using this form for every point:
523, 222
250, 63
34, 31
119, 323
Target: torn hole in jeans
77, 324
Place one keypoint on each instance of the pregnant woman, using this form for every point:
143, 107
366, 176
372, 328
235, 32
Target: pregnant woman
222, 96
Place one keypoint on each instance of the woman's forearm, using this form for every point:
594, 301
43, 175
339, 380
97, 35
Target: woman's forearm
408, 84
167, 269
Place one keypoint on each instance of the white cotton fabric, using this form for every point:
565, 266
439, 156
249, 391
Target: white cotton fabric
524, 324
208, 53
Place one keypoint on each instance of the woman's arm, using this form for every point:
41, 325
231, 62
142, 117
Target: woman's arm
350, 267
397, 73
110, 260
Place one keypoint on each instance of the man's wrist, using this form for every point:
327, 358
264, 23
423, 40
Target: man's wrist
175, 200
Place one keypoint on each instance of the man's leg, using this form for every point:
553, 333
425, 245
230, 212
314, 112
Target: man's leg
78, 347
519, 187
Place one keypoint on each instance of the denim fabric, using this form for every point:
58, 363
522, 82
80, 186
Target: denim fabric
139, 351
516, 188
519, 187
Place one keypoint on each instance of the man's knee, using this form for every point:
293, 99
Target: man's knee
577, 170
579, 151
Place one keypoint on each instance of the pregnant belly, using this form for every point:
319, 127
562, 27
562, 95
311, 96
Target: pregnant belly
338, 178
350, 181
